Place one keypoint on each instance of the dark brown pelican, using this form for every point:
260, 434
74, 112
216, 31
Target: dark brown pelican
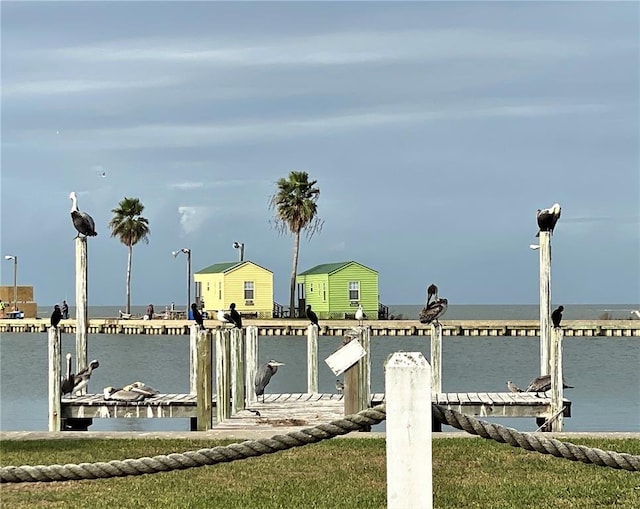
66, 387
547, 218
82, 221
122, 395
141, 388
432, 291
556, 316
434, 310
81, 378
543, 384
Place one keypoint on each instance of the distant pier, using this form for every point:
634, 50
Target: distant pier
290, 327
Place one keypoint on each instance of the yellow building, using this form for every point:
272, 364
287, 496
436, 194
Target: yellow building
245, 283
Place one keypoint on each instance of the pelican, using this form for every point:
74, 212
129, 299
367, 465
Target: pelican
432, 291
263, 376
360, 314
81, 378
313, 318
56, 316
122, 394
547, 218
433, 311
543, 384
513, 387
66, 386
339, 387
556, 316
141, 388
82, 221
233, 316
197, 316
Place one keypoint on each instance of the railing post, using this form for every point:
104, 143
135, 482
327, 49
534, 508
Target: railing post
237, 371
408, 395
55, 417
223, 375
251, 363
545, 301
436, 358
81, 304
193, 341
312, 359
557, 389
203, 385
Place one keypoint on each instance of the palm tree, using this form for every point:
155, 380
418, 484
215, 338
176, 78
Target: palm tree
130, 227
295, 206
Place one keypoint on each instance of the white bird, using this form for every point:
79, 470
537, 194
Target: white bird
360, 314
222, 317
513, 387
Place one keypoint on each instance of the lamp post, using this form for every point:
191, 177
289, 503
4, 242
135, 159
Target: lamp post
188, 253
15, 279
240, 247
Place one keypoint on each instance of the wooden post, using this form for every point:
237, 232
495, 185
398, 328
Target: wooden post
81, 304
312, 359
364, 368
436, 358
237, 371
251, 363
203, 375
409, 469
55, 418
557, 389
193, 365
223, 375
351, 390
545, 301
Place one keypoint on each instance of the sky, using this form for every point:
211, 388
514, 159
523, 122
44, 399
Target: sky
434, 130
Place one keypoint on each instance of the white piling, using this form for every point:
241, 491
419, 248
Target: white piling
193, 379
545, 301
557, 390
82, 314
251, 363
237, 371
408, 396
204, 383
436, 358
312, 359
55, 417
364, 367
223, 375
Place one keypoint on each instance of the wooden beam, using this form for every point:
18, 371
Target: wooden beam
312, 358
82, 313
204, 382
557, 389
251, 363
436, 358
55, 413
545, 301
223, 375
237, 370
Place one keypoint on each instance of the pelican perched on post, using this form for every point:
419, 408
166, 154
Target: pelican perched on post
360, 314
432, 291
547, 218
82, 221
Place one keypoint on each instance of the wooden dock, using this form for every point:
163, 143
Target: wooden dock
480, 328
301, 409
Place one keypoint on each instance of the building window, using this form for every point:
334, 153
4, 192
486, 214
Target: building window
354, 290
248, 290
219, 290
310, 287
324, 292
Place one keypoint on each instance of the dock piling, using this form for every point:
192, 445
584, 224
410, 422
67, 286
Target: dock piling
312, 359
223, 375
82, 314
55, 345
203, 375
251, 363
237, 371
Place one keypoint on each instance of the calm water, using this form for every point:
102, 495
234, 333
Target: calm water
605, 372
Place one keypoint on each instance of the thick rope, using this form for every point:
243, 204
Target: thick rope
355, 422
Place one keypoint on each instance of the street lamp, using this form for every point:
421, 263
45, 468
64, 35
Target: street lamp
15, 279
188, 253
240, 247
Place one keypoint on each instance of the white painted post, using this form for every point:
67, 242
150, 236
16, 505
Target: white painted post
203, 375
408, 395
436, 358
364, 367
193, 366
237, 371
312, 359
545, 301
55, 418
251, 363
557, 389
81, 304
223, 376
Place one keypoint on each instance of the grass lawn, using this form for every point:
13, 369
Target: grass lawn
338, 473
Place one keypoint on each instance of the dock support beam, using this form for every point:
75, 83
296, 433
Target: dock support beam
436, 358
251, 363
193, 356
237, 370
223, 375
55, 417
545, 301
557, 389
312, 359
203, 386
82, 314
357, 379
409, 449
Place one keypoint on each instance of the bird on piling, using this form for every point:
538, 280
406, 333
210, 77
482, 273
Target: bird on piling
360, 316
556, 316
233, 316
223, 317
263, 376
56, 316
340, 386
197, 316
82, 221
66, 386
432, 291
81, 378
313, 318
435, 308
547, 218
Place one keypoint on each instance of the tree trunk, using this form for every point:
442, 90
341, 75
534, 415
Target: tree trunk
129, 280
294, 270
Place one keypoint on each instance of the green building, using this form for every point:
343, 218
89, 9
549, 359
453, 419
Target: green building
335, 290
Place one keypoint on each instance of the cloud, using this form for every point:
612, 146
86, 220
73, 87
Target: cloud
72, 86
192, 218
186, 186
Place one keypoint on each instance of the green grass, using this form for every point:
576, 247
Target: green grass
332, 474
